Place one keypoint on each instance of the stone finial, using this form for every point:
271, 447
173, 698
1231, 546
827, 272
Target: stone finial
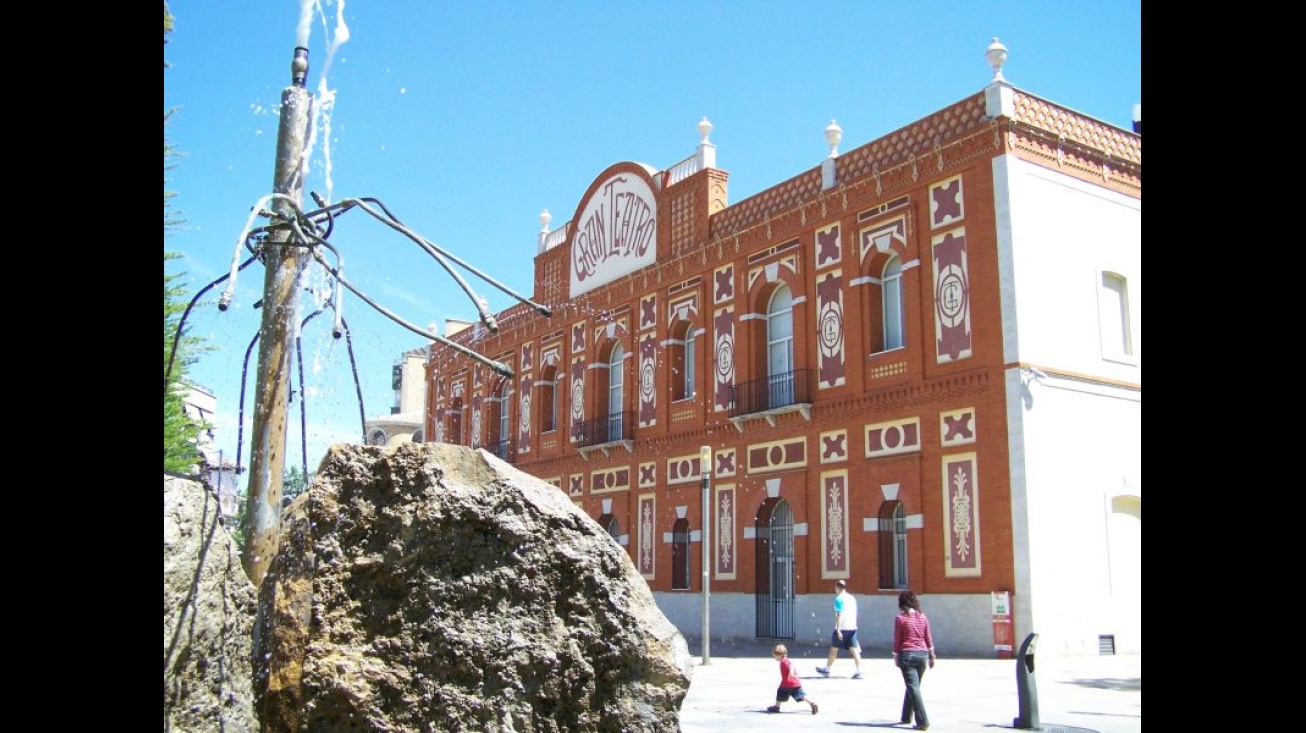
545, 218
704, 128
833, 134
996, 54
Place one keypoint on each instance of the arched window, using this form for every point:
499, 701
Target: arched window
893, 545
680, 555
609, 522
454, 435
684, 361
891, 303
780, 347
615, 385
502, 438
549, 399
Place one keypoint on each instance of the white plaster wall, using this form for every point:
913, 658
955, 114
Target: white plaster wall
1074, 437
1056, 234
412, 389
1082, 449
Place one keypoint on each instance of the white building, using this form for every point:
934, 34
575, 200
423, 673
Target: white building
408, 413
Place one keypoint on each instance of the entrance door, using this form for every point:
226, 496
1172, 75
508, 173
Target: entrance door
775, 570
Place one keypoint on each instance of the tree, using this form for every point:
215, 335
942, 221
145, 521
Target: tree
180, 432
293, 483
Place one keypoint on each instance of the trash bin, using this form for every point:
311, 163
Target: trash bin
1026, 686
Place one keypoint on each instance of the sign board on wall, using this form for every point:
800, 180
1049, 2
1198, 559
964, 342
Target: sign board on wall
1003, 637
616, 233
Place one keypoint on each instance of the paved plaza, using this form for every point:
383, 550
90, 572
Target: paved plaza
1072, 694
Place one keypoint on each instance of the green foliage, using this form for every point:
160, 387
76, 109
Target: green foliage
293, 483
180, 432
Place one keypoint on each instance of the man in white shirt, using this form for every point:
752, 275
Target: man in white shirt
844, 635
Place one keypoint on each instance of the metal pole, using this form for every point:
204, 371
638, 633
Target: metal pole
705, 467
283, 265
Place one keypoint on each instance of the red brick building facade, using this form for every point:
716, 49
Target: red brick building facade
837, 341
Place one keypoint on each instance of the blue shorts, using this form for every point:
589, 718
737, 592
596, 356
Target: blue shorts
846, 640
783, 693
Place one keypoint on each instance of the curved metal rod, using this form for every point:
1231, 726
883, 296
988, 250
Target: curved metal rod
336, 298
486, 317
325, 210
437, 253
496, 366
541, 309
336, 324
224, 300
240, 418
303, 403
358, 385
181, 324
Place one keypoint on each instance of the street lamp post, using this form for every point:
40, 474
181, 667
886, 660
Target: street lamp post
705, 468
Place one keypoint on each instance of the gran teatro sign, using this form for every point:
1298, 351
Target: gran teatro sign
616, 234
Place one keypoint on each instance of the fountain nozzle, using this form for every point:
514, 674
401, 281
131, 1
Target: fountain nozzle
299, 67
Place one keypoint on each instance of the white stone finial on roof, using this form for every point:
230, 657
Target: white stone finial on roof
996, 53
704, 128
833, 134
545, 218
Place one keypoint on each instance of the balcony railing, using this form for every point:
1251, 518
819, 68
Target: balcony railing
607, 429
772, 393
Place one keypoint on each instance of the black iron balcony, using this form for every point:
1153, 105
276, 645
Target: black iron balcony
607, 429
772, 393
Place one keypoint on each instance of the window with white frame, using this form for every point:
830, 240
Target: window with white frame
780, 347
893, 545
549, 400
501, 439
891, 295
683, 358
680, 555
615, 388
1113, 317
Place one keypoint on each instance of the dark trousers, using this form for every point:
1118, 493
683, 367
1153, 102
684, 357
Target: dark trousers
913, 663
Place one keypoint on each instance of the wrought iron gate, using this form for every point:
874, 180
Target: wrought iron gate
775, 571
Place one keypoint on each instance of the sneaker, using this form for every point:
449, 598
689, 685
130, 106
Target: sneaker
773, 709
857, 675
814, 709
823, 671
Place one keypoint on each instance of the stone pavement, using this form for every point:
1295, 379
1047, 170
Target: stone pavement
1072, 694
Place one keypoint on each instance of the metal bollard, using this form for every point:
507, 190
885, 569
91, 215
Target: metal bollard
1026, 687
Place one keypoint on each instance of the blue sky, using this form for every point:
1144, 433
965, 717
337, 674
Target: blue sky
467, 119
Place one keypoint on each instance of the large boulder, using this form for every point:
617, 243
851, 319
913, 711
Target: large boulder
430, 587
208, 617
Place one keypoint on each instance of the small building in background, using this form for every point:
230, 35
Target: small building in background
201, 405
